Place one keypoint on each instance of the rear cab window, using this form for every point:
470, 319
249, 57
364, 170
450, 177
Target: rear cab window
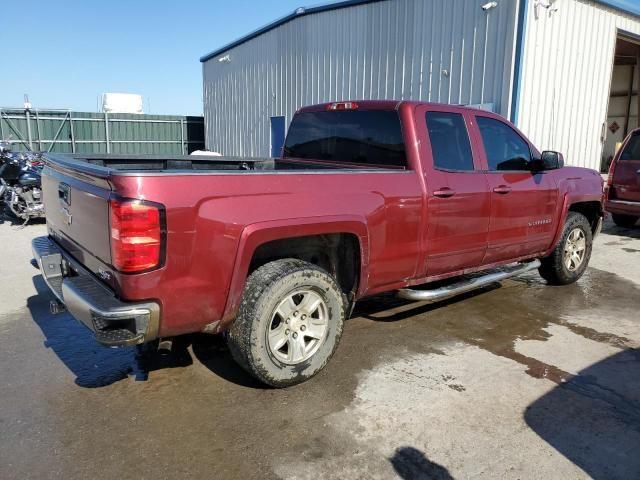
361, 137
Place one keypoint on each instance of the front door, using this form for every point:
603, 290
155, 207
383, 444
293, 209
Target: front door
457, 203
524, 204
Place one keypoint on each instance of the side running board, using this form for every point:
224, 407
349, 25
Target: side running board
467, 285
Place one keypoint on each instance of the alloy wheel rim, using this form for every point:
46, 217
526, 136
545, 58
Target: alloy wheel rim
575, 249
298, 326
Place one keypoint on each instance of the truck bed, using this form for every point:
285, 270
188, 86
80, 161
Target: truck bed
105, 165
118, 163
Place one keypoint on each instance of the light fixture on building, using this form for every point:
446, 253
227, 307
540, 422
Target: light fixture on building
225, 59
546, 4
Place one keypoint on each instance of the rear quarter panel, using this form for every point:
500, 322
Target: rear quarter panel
209, 215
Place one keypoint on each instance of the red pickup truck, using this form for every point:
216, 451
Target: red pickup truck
622, 193
367, 197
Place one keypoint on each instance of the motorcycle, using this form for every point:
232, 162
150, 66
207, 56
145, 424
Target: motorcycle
20, 186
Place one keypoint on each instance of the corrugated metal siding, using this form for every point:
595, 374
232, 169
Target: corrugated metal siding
128, 133
395, 49
567, 66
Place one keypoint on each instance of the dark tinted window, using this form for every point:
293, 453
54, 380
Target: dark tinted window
632, 149
358, 136
449, 141
506, 150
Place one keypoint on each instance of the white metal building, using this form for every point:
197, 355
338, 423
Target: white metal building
548, 65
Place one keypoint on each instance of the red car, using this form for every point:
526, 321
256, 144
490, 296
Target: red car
622, 193
368, 197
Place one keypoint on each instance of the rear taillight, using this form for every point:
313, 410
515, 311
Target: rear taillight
342, 106
136, 235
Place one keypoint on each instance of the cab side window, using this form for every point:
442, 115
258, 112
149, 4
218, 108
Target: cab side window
449, 141
505, 149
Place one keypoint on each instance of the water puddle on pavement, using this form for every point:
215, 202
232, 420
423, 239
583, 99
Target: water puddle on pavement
495, 319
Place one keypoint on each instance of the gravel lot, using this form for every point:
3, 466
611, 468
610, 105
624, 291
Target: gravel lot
521, 380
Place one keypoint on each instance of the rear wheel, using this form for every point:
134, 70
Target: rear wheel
626, 221
289, 323
570, 257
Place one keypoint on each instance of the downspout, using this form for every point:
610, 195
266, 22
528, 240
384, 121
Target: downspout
517, 68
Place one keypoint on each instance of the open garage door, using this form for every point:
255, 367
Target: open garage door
624, 101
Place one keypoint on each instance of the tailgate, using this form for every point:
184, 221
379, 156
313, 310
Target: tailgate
77, 211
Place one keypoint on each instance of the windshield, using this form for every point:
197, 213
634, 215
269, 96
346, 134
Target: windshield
364, 137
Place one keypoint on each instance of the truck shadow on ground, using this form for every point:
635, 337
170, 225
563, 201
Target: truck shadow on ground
97, 366
387, 307
594, 418
412, 464
212, 352
611, 228
92, 364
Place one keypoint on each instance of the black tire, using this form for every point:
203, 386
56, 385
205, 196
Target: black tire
626, 221
265, 291
554, 269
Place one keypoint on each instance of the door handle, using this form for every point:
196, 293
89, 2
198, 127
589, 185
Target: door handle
444, 192
502, 189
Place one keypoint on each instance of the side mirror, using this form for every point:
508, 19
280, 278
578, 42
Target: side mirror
551, 160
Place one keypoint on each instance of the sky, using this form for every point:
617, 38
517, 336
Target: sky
66, 53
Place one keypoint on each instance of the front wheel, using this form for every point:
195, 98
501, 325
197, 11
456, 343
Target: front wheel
289, 323
570, 257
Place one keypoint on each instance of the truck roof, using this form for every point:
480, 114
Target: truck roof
383, 105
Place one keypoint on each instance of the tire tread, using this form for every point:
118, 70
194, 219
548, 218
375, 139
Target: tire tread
241, 332
552, 267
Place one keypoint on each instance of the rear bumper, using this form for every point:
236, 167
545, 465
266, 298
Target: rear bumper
622, 207
113, 322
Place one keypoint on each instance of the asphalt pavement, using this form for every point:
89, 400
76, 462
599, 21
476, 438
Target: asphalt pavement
520, 381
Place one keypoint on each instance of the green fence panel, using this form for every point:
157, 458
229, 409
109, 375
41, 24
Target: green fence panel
64, 131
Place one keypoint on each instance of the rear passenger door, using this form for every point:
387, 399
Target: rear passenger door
457, 199
524, 203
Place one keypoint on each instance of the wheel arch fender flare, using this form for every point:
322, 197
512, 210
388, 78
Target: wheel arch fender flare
567, 201
257, 234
